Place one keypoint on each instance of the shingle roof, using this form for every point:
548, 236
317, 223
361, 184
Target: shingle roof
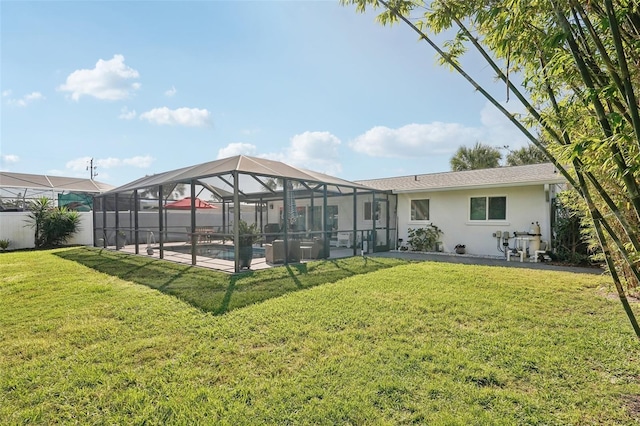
45, 182
484, 178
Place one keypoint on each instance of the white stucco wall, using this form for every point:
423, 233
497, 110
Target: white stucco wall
15, 227
449, 210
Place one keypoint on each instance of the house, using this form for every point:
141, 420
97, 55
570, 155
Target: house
476, 208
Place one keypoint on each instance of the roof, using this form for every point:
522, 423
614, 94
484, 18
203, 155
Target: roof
239, 163
45, 182
484, 178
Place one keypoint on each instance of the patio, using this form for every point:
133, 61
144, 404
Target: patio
225, 265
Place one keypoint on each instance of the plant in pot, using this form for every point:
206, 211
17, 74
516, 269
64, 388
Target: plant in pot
460, 248
249, 235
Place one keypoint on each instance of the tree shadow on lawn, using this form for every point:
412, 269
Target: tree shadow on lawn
214, 291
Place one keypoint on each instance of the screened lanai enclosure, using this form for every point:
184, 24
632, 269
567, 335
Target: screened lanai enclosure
283, 214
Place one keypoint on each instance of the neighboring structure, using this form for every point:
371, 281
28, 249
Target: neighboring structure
473, 207
18, 189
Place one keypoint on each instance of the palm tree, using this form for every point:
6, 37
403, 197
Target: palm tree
479, 157
39, 209
530, 154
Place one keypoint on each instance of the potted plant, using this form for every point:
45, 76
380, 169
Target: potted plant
460, 248
249, 235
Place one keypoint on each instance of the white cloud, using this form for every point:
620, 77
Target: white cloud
125, 114
142, 162
80, 164
437, 138
190, 117
414, 140
169, 93
234, 149
25, 100
9, 158
109, 80
316, 151
6, 93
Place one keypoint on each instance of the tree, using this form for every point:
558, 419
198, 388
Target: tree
580, 79
39, 210
479, 157
529, 154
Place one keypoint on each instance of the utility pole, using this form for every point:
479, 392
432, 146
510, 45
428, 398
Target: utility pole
92, 169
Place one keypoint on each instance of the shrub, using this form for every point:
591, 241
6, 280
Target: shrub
59, 226
424, 239
4, 244
53, 225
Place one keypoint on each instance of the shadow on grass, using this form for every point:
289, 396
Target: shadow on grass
217, 292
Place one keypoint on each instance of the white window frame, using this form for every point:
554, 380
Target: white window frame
428, 219
486, 219
369, 210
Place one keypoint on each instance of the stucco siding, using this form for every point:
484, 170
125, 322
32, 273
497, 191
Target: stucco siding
449, 210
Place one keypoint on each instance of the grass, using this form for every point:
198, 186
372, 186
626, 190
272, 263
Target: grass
218, 292
426, 343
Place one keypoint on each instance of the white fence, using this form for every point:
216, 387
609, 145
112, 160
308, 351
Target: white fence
15, 227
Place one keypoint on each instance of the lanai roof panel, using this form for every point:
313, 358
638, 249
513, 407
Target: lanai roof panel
240, 163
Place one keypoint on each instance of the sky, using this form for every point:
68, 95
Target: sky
143, 87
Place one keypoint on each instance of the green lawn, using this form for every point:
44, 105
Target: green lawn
95, 337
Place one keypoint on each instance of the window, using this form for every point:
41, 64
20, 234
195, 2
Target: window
488, 208
368, 210
419, 209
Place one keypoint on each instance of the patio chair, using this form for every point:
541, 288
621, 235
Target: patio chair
274, 252
272, 232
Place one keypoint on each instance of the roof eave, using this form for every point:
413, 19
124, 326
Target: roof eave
483, 186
